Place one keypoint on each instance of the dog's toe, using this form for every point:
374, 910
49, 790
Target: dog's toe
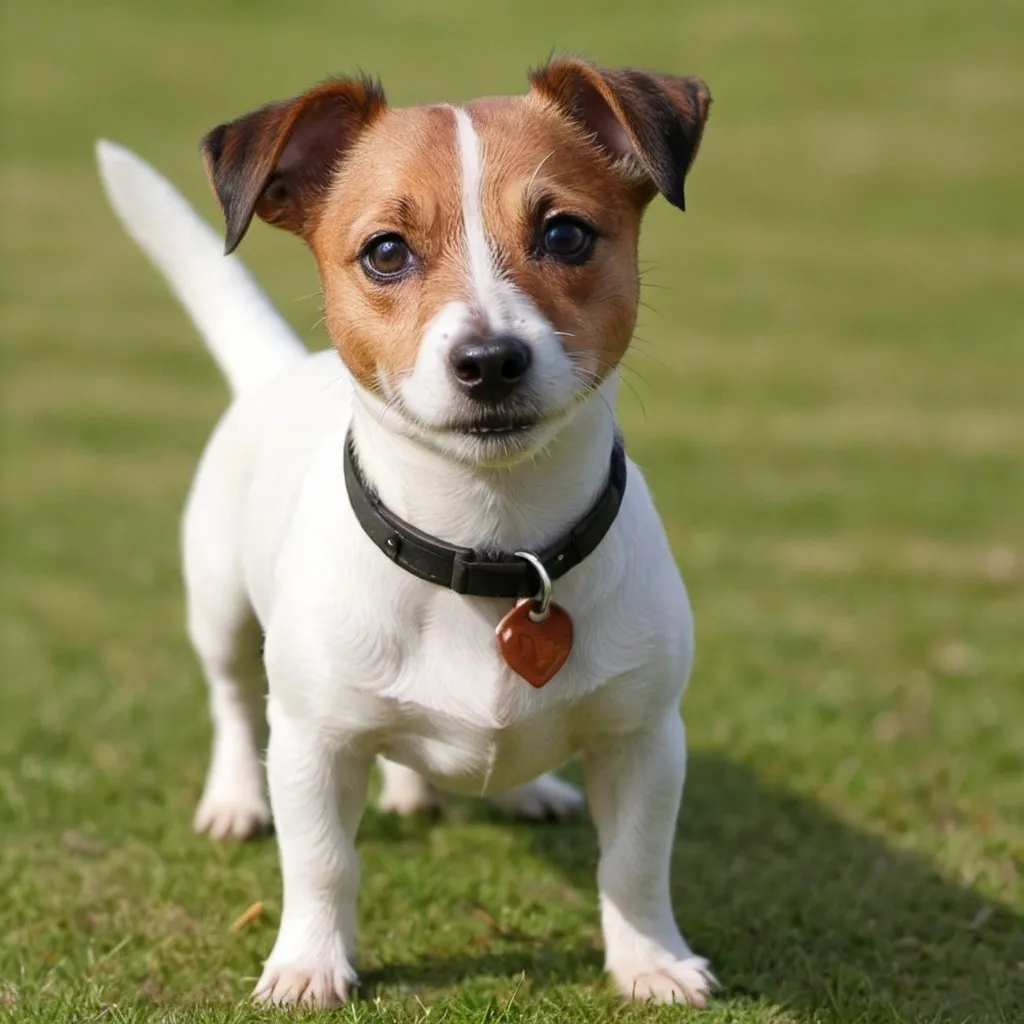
234, 817
315, 987
405, 793
688, 982
546, 798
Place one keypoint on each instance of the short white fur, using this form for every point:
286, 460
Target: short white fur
364, 661
482, 268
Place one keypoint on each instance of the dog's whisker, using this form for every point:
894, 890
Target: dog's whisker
641, 351
392, 403
648, 306
592, 383
637, 395
533, 177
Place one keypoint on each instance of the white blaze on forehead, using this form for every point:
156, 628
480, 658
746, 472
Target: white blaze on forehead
483, 272
428, 393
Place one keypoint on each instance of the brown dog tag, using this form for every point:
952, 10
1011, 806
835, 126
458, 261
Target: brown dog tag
536, 650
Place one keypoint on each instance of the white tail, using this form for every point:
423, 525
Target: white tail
245, 333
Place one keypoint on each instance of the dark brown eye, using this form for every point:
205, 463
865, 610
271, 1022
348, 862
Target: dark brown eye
568, 239
386, 258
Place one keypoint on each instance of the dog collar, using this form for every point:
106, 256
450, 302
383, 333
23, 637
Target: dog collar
481, 573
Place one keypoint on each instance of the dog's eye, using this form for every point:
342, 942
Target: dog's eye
568, 239
386, 257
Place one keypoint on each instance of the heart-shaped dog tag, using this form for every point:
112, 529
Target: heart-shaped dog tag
535, 647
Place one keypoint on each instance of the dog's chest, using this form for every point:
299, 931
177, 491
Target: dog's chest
461, 716
366, 649
468, 758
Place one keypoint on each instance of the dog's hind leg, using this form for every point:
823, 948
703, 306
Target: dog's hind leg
234, 803
229, 644
546, 798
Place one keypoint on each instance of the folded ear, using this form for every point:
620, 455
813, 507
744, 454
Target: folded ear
649, 124
278, 161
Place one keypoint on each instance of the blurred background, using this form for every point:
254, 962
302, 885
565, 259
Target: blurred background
826, 392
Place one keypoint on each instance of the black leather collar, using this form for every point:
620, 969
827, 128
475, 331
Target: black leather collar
482, 574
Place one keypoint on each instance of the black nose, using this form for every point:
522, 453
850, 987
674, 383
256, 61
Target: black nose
489, 369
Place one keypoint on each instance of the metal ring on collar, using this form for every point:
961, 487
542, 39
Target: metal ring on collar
542, 602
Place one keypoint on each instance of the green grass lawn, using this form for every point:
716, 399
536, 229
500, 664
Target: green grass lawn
828, 398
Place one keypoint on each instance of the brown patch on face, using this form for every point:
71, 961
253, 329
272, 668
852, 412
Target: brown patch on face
538, 164
403, 177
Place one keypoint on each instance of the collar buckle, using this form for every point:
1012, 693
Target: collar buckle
542, 602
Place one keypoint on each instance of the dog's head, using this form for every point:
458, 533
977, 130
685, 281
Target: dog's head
479, 263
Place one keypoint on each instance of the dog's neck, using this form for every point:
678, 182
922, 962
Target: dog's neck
524, 506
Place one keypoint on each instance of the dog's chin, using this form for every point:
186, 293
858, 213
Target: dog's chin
498, 445
499, 436
491, 441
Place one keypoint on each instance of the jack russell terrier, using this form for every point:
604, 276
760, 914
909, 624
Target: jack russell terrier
434, 551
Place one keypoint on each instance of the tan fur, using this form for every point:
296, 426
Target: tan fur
538, 163
403, 176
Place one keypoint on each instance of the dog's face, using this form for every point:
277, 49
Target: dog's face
479, 263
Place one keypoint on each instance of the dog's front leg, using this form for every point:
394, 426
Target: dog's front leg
634, 785
317, 792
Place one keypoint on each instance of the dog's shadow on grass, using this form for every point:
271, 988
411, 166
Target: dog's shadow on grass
790, 904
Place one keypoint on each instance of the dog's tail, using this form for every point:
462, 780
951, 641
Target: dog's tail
247, 336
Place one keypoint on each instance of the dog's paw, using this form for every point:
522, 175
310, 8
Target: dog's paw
232, 816
405, 793
320, 986
546, 798
688, 982
407, 804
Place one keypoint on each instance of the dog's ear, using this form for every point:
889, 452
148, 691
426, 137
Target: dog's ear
649, 124
278, 161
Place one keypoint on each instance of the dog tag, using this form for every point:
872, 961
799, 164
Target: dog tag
533, 649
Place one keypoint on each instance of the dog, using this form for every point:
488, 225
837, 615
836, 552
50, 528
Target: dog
433, 552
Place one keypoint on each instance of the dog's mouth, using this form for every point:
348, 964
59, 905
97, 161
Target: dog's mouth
505, 421
484, 434
494, 425
510, 428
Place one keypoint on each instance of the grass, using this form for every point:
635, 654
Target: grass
826, 398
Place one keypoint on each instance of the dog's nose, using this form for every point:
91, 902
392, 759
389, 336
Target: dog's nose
489, 369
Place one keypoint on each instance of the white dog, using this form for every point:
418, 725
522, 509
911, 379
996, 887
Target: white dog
436, 543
